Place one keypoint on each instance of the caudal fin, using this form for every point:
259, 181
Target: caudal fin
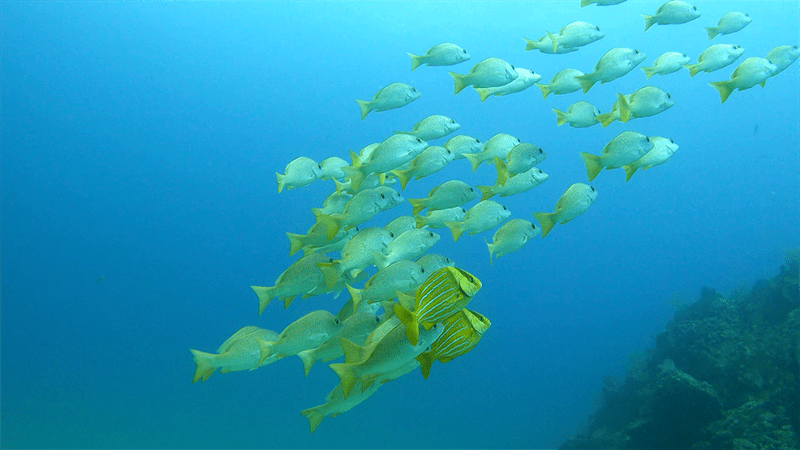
502, 171
205, 365
330, 272
606, 118
484, 93
295, 242
475, 159
624, 108
365, 108
546, 220
630, 169
586, 81
592, 163
545, 88
649, 21
409, 320
308, 357
530, 45
265, 347
693, 69
264, 295
487, 192
459, 80
724, 88
561, 117
712, 32
491, 252
416, 61
279, 177
314, 417
425, 362
417, 205
346, 375
649, 71
332, 224
403, 176
586, 3
455, 228
553, 39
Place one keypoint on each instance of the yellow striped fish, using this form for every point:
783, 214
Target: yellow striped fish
462, 331
444, 292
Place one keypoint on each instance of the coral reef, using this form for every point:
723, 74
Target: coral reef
725, 374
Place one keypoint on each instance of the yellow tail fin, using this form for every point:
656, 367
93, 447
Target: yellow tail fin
586, 81
546, 220
484, 93
649, 71
308, 357
487, 192
606, 118
592, 164
279, 177
561, 117
409, 320
403, 176
545, 88
475, 159
264, 295
630, 169
330, 272
624, 108
553, 40
425, 362
724, 88
314, 417
455, 228
530, 45
347, 376
365, 108
502, 171
205, 365
417, 205
332, 225
459, 80
712, 32
416, 61
649, 21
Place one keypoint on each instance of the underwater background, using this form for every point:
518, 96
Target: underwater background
139, 147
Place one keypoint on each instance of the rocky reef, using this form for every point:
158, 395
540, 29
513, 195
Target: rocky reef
725, 374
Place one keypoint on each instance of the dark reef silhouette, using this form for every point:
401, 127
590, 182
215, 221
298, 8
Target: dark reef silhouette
725, 374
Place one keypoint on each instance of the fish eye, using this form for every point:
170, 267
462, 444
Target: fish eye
452, 121
694, 8
449, 152
512, 67
422, 270
533, 226
330, 259
391, 234
669, 96
464, 51
471, 190
505, 208
320, 166
592, 188
647, 139
541, 151
463, 210
671, 141
540, 170
419, 140
478, 141
430, 233
383, 196
597, 28
684, 55
377, 319
336, 321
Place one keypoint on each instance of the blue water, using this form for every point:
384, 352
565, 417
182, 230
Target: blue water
139, 146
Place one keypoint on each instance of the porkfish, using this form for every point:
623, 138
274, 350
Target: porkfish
443, 293
390, 352
238, 352
461, 333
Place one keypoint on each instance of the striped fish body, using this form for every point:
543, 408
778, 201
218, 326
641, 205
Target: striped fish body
461, 333
443, 293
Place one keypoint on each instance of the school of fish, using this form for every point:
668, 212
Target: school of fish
413, 310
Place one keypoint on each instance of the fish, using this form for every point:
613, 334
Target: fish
462, 331
574, 202
520, 159
299, 278
438, 218
355, 328
545, 45
498, 145
430, 161
395, 95
432, 262
612, 65
751, 71
462, 144
392, 351
432, 127
371, 181
238, 352
576, 34
671, 13
668, 62
491, 72
601, 2
356, 255
624, 149
332, 168
485, 215
446, 195
305, 333
362, 207
443, 293
714, 58
783, 56
336, 403
729, 23
333, 203
663, 149
516, 185
410, 245
400, 225
349, 308
299, 172
526, 79
316, 237
402, 276
580, 114
392, 153
446, 54
511, 237
563, 82
646, 101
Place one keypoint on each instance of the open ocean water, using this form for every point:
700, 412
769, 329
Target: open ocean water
140, 142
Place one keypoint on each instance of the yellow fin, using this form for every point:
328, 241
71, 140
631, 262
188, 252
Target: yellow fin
693, 70
425, 362
711, 31
605, 119
409, 320
649, 21
586, 81
546, 220
416, 61
205, 365
487, 192
484, 93
353, 353
649, 71
365, 108
308, 357
295, 242
332, 224
630, 169
502, 171
346, 376
314, 417
592, 164
355, 295
724, 88
264, 295
417, 205
561, 117
553, 40
624, 108
455, 228
545, 88
280, 181
474, 159
403, 176
459, 80
330, 272
265, 348
530, 45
